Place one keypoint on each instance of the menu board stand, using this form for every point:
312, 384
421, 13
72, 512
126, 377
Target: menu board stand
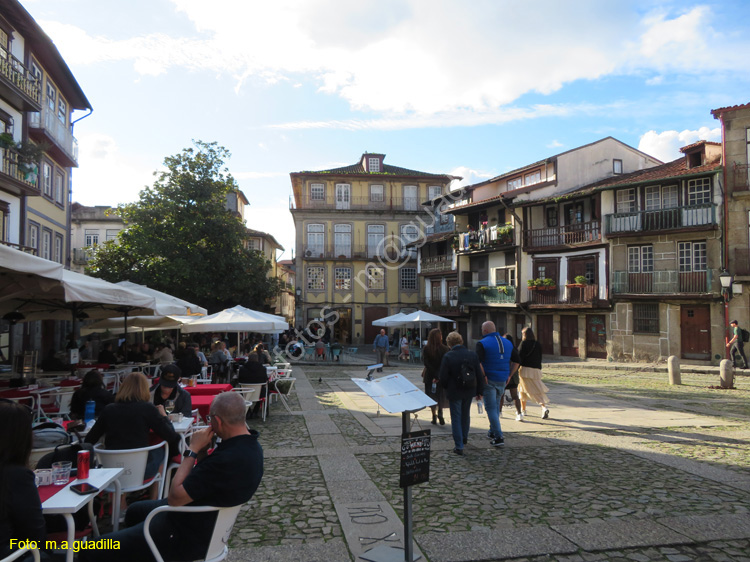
395, 394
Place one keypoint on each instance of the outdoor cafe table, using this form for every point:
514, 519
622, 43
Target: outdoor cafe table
207, 389
203, 404
61, 500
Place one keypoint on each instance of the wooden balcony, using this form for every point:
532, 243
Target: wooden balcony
561, 297
17, 85
440, 307
486, 294
436, 264
566, 236
668, 282
484, 239
661, 220
20, 178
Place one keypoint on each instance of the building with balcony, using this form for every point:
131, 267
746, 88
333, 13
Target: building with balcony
353, 229
90, 227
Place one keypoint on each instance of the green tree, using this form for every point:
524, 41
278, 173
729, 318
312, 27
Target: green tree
181, 239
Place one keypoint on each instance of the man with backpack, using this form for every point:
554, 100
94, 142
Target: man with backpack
494, 353
737, 344
462, 380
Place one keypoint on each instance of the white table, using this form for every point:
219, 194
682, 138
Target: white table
66, 503
182, 428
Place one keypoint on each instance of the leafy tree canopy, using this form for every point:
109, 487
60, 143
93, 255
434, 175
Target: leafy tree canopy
181, 239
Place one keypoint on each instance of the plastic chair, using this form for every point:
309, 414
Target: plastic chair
415, 354
287, 390
309, 353
247, 394
217, 547
257, 388
336, 352
54, 402
134, 462
20, 553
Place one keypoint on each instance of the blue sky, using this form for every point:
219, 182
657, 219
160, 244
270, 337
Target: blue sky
467, 88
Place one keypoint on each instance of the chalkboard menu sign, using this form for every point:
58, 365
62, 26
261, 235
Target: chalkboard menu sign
415, 458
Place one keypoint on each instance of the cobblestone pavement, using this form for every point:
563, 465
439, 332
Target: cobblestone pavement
551, 478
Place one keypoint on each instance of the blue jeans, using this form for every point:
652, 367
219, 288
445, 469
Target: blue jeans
460, 420
493, 396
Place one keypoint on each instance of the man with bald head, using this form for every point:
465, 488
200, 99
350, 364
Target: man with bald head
494, 353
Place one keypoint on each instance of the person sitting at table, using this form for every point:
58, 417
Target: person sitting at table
334, 347
219, 362
228, 477
125, 424
20, 507
263, 356
106, 356
163, 354
252, 372
201, 356
92, 388
320, 349
168, 388
189, 363
52, 363
135, 355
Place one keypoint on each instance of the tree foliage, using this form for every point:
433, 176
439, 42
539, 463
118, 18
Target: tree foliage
181, 239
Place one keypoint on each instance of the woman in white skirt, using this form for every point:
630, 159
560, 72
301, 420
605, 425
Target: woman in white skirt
531, 387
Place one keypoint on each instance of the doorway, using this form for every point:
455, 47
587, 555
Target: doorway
544, 333
596, 336
372, 313
695, 336
569, 336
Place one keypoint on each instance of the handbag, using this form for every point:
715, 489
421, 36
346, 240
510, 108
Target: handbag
69, 452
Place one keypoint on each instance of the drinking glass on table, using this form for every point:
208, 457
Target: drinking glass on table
61, 472
169, 406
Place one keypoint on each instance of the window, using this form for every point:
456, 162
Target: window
46, 244
407, 278
640, 259
58, 248
59, 182
373, 165
453, 292
434, 191
375, 278
646, 318
47, 177
92, 237
376, 194
515, 183
315, 278
111, 234
62, 110
342, 278
375, 239
252, 244
409, 233
4, 220
692, 256
699, 191
342, 240
4, 43
626, 201
317, 192
617, 166
33, 240
552, 216
51, 97
533, 177
505, 276
315, 240
410, 197
657, 197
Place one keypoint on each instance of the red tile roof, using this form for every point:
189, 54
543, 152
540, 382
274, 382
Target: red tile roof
717, 112
689, 147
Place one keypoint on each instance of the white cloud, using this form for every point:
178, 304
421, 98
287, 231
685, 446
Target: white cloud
555, 144
106, 176
666, 145
469, 176
416, 58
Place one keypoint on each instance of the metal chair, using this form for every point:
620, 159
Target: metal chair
217, 547
247, 395
257, 388
283, 392
20, 553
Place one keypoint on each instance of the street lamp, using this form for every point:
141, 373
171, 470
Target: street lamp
726, 283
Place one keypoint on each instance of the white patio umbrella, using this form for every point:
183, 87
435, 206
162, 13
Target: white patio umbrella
421, 316
137, 323
388, 321
238, 319
167, 304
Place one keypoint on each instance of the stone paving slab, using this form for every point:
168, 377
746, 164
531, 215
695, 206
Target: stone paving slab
354, 491
608, 535
333, 551
341, 467
492, 545
704, 528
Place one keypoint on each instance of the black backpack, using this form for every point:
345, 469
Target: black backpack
468, 376
745, 335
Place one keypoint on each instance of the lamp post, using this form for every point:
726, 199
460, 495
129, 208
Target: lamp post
726, 283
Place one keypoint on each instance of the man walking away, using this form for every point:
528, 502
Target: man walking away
462, 379
494, 353
381, 347
738, 344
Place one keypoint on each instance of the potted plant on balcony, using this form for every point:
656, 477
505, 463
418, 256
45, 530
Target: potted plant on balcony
463, 289
502, 289
483, 290
578, 281
545, 284
505, 234
531, 283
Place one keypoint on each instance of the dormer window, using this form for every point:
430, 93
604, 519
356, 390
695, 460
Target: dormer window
373, 164
694, 159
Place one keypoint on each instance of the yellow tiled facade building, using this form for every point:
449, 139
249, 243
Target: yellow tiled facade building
353, 225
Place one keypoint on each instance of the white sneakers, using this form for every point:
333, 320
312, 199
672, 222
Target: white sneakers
519, 417
545, 413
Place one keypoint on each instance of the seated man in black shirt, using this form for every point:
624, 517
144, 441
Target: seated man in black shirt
169, 389
227, 477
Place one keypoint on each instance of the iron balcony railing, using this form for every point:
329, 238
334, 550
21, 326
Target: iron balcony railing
662, 282
485, 238
573, 295
442, 305
436, 264
362, 204
487, 294
28, 249
566, 235
19, 171
14, 71
350, 252
56, 129
661, 219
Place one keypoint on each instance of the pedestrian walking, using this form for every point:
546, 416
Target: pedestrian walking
381, 347
462, 379
530, 386
737, 344
432, 357
513, 381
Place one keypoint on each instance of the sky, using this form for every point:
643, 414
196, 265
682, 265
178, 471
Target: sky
472, 89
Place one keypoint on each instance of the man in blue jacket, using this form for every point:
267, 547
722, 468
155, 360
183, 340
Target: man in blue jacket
494, 353
381, 347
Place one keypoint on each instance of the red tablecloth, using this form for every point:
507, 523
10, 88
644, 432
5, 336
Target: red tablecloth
203, 404
46, 492
208, 389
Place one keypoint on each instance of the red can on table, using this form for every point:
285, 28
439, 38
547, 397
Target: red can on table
84, 460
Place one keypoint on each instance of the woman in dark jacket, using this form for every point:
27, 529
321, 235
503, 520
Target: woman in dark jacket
530, 386
189, 363
92, 388
431, 357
